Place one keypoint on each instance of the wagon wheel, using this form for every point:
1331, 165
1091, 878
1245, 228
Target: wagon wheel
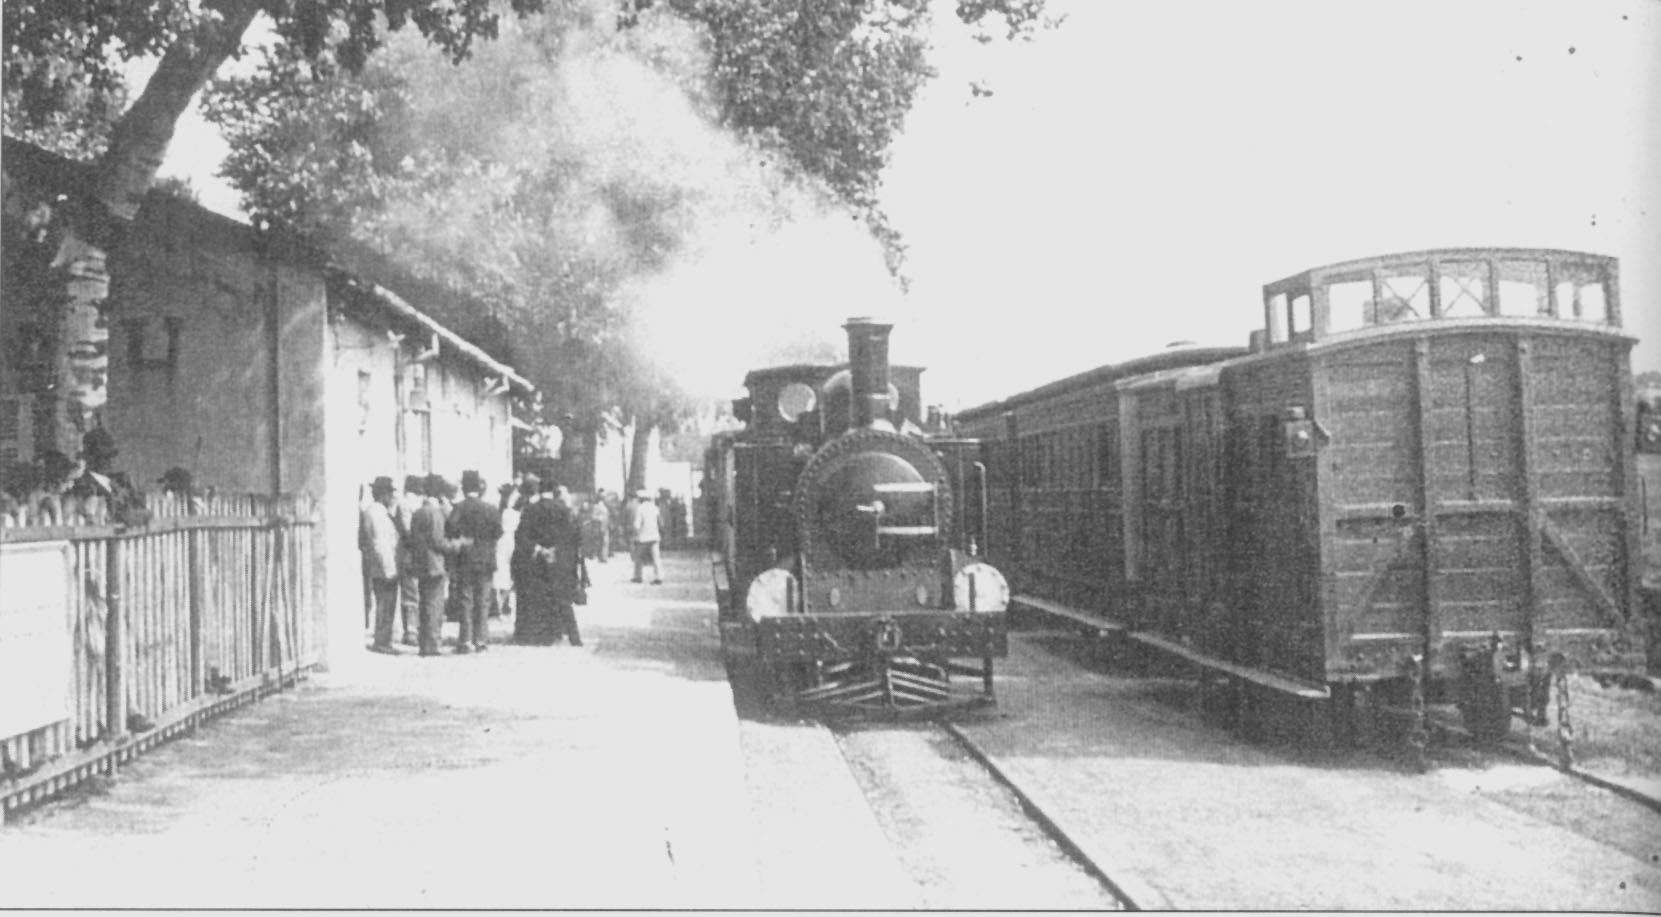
1485, 709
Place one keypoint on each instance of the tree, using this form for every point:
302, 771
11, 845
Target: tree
63, 69
506, 180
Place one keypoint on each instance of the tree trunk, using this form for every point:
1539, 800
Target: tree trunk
639, 452
93, 226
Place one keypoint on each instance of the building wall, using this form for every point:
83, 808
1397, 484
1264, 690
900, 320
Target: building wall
216, 364
231, 360
191, 374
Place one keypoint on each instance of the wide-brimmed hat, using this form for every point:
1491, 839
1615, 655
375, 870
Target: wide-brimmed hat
438, 487
382, 485
98, 443
471, 482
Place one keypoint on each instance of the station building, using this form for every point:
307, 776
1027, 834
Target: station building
262, 364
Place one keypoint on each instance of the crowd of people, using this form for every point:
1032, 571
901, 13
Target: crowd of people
428, 555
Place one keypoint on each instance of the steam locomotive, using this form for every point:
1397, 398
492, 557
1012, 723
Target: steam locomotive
846, 542
1416, 485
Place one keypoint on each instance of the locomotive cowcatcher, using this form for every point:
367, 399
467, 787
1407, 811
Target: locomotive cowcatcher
845, 542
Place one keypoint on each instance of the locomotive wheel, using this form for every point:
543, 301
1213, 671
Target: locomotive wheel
1485, 709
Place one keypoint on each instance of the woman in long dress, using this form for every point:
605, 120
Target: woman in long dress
533, 580
570, 573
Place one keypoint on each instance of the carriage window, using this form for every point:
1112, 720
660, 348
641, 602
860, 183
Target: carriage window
1348, 304
1277, 319
1107, 451
1522, 289
1580, 294
1302, 320
1463, 288
1403, 297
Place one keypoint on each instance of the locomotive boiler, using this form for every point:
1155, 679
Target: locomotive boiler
1416, 486
847, 539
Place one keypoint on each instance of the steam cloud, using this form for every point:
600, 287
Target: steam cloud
717, 259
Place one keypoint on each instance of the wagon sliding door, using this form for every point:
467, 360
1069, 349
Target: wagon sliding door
1474, 486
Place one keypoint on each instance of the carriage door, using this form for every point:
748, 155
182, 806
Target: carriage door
1474, 516
1524, 486
1163, 555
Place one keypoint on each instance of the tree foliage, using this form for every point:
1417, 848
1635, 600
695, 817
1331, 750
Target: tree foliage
500, 179
62, 69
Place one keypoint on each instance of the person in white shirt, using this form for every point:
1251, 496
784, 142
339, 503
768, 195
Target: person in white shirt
646, 537
378, 540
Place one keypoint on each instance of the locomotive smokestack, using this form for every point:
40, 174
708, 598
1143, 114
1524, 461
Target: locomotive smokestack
868, 372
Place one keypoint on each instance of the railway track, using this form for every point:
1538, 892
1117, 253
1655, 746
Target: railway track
1099, 784
967, 835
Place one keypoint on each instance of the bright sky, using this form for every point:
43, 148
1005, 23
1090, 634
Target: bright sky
1143, 170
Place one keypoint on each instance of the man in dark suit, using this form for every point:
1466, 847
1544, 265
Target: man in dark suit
409, 585
429, 546
477, 520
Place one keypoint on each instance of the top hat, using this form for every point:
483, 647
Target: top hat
382, 485
98, 443
471, 482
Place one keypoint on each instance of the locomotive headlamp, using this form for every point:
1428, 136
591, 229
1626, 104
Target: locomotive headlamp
980, 587
795, 400
772, 594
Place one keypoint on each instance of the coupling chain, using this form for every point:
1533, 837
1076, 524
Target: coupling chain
1565, 724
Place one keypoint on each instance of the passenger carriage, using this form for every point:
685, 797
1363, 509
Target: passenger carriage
1418, 485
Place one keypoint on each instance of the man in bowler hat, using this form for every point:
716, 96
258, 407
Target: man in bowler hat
477, 520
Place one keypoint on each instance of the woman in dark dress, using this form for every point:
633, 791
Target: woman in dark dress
533, 580
570, 574
547, 567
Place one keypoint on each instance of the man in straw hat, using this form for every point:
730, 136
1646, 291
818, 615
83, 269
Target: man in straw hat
475, 519
378, 540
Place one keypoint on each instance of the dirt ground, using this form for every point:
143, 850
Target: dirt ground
1617, 729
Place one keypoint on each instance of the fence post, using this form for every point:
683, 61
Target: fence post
115, 639
197, 585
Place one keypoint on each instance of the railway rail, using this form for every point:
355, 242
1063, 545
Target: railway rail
969, 835
1152, 806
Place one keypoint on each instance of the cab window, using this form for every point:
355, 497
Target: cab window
1522, 290
1580, 294
1278, 317
1348, 304
1463, 289
1404, 296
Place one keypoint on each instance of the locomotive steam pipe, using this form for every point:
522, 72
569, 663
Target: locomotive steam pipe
868, 372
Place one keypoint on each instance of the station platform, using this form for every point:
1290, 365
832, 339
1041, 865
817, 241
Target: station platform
606, 776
